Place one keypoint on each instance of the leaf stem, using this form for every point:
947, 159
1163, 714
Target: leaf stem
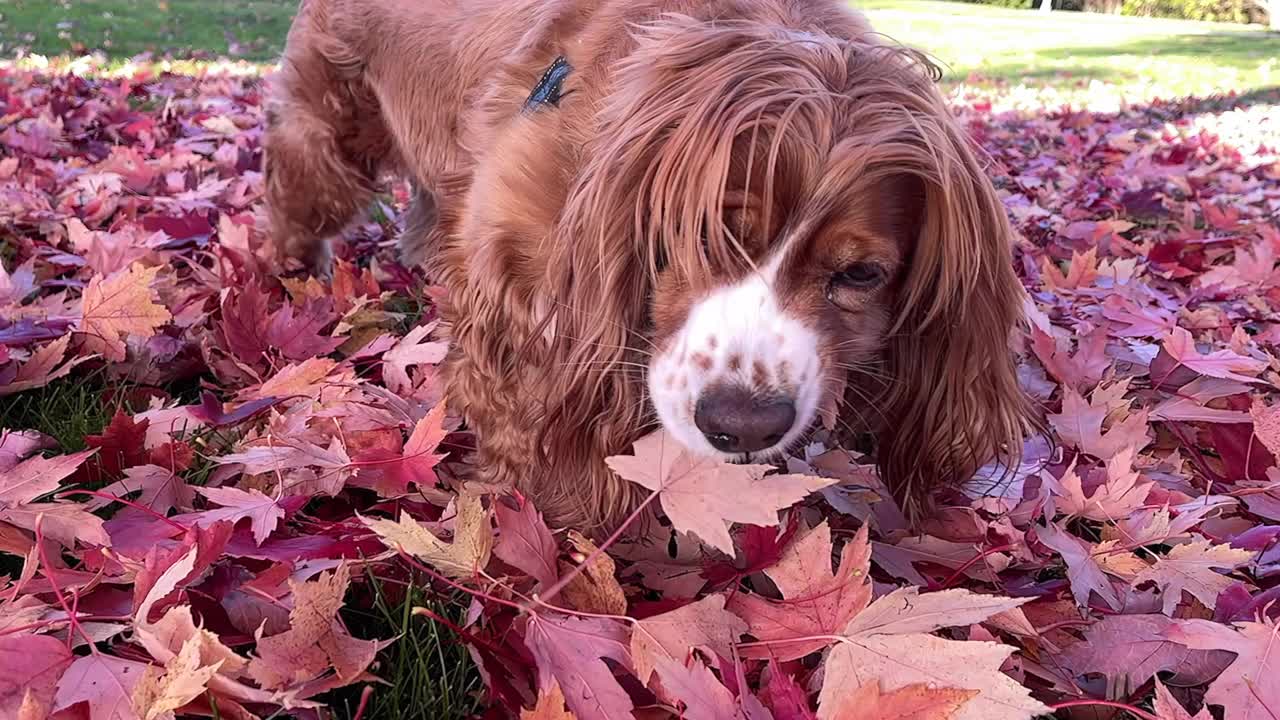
1105, 703
552, 591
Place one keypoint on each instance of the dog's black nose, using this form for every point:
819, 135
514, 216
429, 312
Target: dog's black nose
734, 421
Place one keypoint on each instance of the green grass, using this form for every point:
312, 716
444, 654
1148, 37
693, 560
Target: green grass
429, 673
1176, 56
125, 28
66, 410
1171, 56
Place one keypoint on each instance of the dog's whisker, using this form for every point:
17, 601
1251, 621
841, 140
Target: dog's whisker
798, 142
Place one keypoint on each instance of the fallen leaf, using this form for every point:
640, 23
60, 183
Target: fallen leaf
1081, 424
118, 307
784, 697
1194, 568
263, 512
392, 473
1083, 571
1225, 364
1266, 425
30, 666
411, 350
700, 695
550, 706
45, 365
704, 495
315, 642
595, 589
907, 610
897, 661
570, 652
37, 476
911, 702
1167, 708
462, 558
159, 694
105, 682
675, 634
1123, 491
1247, 689
816, 601
62, 522
1135, 648
525, 543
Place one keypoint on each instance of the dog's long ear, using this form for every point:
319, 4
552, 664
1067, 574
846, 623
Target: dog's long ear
597, 277
651, 169
954, 402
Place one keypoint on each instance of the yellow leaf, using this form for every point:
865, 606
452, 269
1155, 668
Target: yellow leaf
120, 306
298, 379
550, 706
469, 551
158, 694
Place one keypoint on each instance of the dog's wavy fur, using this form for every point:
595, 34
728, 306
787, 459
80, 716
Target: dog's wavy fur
568, 237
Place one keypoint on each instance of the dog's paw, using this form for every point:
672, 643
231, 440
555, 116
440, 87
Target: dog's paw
300, 254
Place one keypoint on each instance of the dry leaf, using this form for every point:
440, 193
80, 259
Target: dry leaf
595, 589
462, 558
159, 694
911, 702
315, 642
704, 495
1193, 567
702, 624
120, 307
550, 706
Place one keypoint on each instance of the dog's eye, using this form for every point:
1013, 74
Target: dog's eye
860, 276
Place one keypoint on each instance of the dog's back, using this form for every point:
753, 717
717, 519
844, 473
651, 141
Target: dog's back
367, 86
422, 86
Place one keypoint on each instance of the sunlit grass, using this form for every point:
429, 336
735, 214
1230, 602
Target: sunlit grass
1143, 56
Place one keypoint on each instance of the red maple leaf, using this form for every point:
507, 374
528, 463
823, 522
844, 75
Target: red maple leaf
391, 473
761, 548
121, 445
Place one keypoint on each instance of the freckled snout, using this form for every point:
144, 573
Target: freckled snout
734, 420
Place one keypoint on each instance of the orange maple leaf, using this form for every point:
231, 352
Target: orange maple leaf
118, 307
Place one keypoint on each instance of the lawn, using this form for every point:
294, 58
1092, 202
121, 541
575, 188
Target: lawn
252, 29
1172, 57
1149, 256
1149, 55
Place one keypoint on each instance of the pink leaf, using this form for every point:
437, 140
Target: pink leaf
263, 512
571, 651
525, 543
30, 666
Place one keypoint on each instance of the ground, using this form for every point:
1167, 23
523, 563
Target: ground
235, 462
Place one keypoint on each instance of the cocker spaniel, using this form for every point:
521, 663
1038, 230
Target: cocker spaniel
720, 216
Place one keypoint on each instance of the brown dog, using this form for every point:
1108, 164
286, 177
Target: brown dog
716, 215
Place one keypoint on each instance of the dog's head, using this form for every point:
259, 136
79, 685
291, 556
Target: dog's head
767, 213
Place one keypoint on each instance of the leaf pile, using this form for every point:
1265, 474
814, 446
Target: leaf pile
275, 441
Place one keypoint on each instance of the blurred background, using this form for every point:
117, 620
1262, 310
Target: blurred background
1142, 48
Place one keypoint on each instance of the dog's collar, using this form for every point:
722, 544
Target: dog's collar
549, 89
